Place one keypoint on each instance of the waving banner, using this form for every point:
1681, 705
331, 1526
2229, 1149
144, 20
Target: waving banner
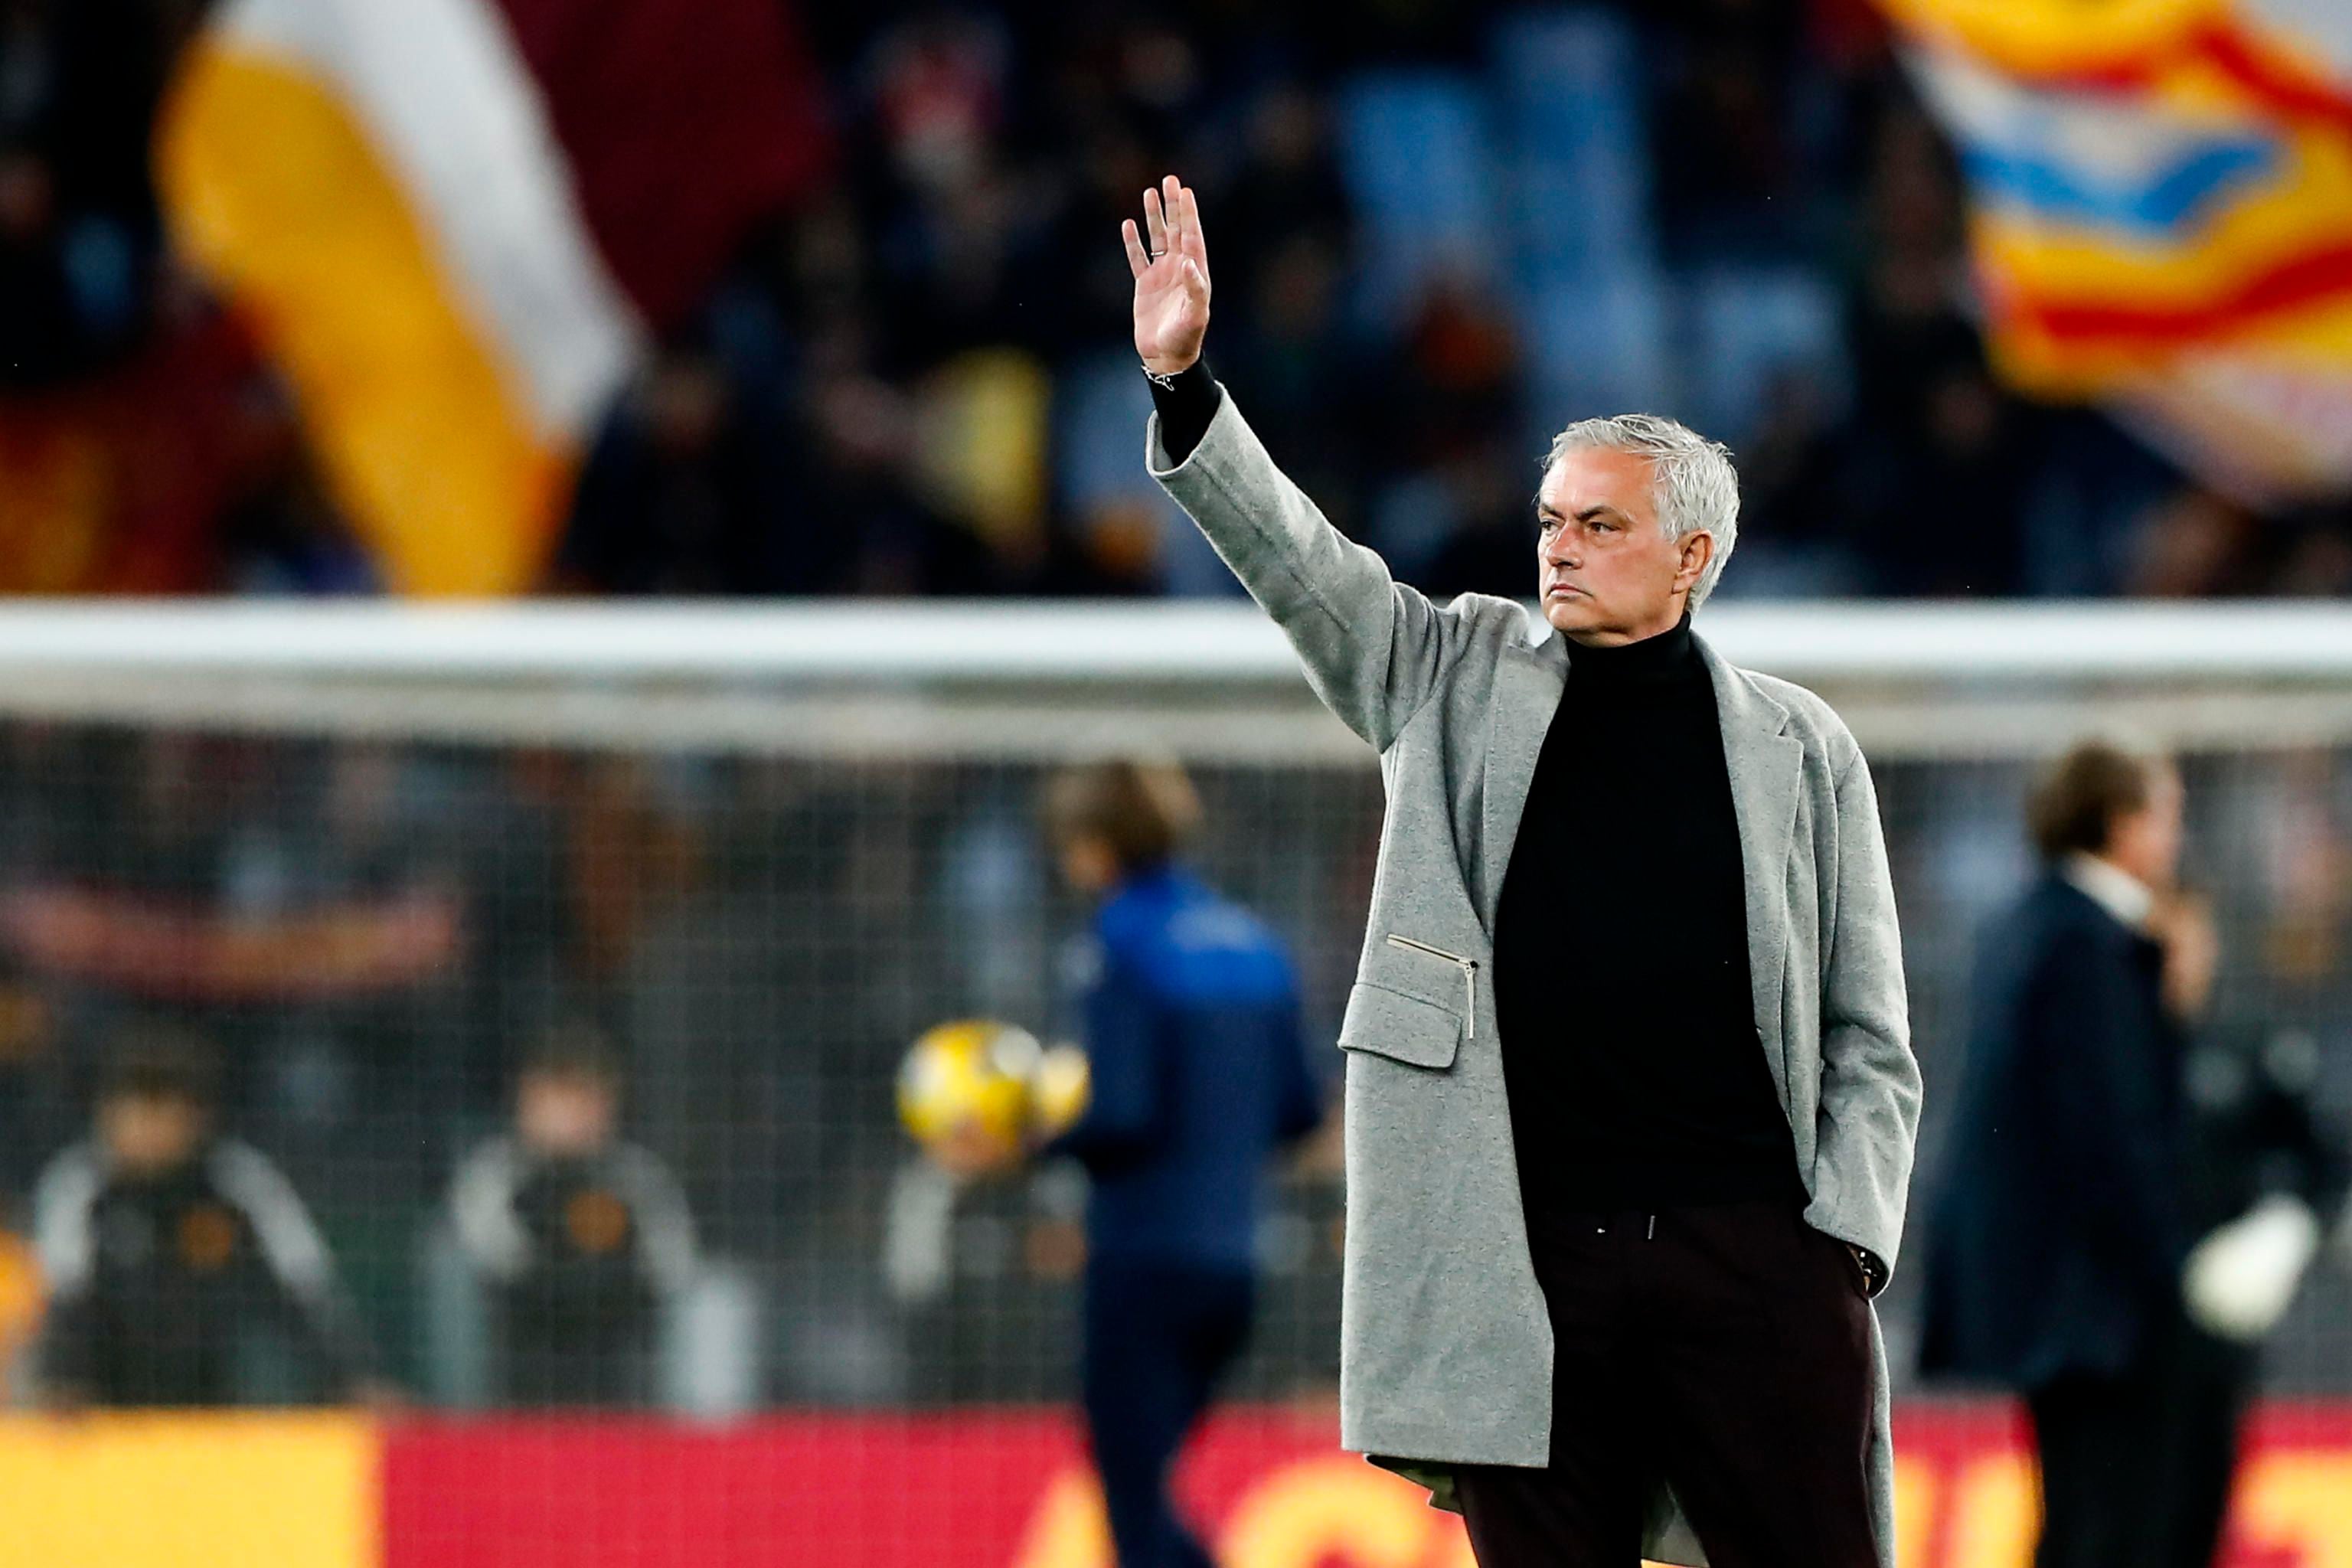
2162, 216
456, 224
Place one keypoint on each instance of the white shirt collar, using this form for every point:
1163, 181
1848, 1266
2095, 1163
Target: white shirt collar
2110, 887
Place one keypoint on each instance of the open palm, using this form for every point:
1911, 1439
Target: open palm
1171, 278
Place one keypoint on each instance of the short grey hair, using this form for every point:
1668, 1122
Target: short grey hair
1698, 491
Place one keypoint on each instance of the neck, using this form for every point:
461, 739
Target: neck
1664, 657
2122, 893
1147, 875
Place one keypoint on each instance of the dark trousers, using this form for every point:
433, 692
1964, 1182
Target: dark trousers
1157, 1338
2136, 1468
1725, 1350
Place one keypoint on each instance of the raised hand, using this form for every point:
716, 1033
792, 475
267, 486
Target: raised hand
1170, 263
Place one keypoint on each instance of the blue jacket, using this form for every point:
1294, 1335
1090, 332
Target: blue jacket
1199, 1070
2056, 1235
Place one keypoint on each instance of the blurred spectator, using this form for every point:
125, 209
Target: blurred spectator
176, 1257
307, 938
583, 1240
2195, 545
1450, 419
1729, 129
1940, 446
687, 490
78, 234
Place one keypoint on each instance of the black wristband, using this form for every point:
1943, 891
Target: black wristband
1186, 402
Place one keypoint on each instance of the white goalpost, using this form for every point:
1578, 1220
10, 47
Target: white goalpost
1210, 681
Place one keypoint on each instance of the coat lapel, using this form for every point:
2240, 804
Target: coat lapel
1526, 694
1765, 766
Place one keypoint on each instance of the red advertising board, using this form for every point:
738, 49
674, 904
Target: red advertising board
1010, 1490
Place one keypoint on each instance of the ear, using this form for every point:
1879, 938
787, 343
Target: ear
1698, 550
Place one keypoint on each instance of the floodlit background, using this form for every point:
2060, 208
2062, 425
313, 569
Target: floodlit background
815, 316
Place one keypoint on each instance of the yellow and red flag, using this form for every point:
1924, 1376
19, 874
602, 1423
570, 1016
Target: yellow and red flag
2162, 216
454, 222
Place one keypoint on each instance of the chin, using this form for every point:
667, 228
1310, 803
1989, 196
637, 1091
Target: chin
1575, 614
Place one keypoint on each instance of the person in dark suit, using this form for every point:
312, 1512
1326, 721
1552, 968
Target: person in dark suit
2060, 1257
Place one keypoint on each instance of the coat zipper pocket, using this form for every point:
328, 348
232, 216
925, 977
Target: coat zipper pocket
1469, 967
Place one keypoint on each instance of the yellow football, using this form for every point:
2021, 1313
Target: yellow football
1057, 1089
965, 1090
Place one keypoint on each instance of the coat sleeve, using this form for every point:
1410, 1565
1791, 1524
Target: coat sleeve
664, 1221
1300, 1103
64, 1209
1374, 649
1126, 1058
482, 1213
1869, 1116
294, 1256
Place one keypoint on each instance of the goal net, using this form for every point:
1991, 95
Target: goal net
373, 864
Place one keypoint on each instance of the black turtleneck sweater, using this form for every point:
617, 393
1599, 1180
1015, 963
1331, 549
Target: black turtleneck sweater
1628, 1029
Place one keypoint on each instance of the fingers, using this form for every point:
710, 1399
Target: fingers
1171, 222
1171, 201
1155, 226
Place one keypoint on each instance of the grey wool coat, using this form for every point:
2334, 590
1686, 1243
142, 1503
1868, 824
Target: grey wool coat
1446, 1350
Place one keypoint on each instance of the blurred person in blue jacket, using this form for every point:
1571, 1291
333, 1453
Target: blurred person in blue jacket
2122, 1214
1198, 1075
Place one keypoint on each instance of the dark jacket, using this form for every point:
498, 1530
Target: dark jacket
1199, 1072
2056, 1235
158, 1287
579, 1256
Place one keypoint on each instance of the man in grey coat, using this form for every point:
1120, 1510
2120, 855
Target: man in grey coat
1630, 1093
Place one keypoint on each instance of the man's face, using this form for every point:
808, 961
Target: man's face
150, 1135
565, 1114
2146, 842
1088, 864
1606, 573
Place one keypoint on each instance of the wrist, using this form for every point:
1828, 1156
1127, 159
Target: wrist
1169, 366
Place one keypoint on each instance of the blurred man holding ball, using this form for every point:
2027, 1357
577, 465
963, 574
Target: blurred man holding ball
1197, 1074
1192, 1074
1629, 1092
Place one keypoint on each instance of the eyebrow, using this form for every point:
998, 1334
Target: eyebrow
1585, 515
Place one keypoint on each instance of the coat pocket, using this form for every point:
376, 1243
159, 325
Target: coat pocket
1409, 1029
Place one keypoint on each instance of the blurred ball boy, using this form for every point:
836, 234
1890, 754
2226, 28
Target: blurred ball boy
584, 1239
1190, 1027
2084, 1164
169, 1247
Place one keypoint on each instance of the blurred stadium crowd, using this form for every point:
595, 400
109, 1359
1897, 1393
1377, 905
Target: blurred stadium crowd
1440, 229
